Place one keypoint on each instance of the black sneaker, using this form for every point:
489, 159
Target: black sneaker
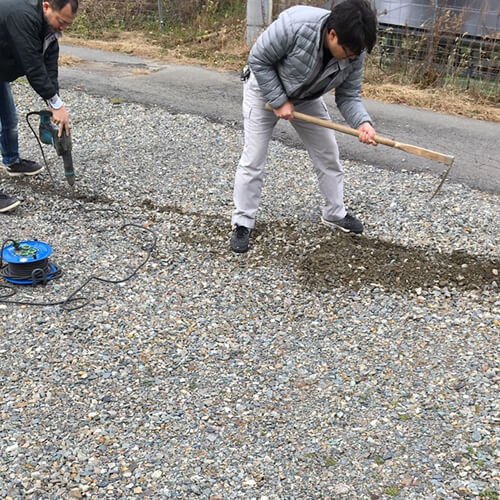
349, 224
23, 167
239, 239
7, 203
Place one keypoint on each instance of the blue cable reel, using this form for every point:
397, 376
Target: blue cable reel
27, 263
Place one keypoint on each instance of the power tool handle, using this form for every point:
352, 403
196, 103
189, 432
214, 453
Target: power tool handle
47, 129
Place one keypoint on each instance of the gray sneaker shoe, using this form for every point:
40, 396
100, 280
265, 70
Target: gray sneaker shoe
349, 224
7, 203
240, 238
23, 167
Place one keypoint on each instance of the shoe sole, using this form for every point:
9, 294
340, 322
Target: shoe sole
239, 250
21, 174
332, 225
10, 207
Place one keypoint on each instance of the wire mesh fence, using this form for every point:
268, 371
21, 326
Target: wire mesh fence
436, 53
434, 56
281, 5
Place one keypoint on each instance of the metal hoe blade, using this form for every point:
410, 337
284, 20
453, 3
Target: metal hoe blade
445, 175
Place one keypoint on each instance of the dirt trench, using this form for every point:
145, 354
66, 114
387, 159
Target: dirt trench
323, 260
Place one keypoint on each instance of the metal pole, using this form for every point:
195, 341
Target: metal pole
160, 14
259, 15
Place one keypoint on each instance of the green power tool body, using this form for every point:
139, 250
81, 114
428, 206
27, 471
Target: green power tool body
49, 134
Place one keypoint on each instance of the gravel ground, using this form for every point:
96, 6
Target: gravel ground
318, 365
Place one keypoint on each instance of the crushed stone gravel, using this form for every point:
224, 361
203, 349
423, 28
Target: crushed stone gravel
317, 365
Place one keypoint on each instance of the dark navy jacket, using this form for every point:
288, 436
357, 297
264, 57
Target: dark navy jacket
28, 46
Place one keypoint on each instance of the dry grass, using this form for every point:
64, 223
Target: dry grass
225, 50
442, 100
131, 43
206, 50
67, 60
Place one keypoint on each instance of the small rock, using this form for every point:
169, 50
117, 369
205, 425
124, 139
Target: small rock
75, 493
341, 489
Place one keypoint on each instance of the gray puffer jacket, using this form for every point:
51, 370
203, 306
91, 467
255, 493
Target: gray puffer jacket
287, 58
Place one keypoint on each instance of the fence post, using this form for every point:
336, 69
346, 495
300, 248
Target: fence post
160, 14
259, 15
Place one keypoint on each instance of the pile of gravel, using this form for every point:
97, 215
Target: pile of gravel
317, 365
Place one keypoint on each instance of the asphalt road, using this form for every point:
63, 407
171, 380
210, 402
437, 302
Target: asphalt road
217, 96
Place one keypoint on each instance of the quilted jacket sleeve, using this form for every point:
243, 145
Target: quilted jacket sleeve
348, 96
271, 46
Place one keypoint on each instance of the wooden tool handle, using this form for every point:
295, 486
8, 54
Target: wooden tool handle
415, 150
341, 128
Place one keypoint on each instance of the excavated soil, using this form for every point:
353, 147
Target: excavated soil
322, 260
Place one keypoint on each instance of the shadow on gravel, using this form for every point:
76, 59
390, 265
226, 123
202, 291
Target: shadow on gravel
62, 190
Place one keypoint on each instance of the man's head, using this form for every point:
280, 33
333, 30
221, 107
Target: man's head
351, 28
60, 14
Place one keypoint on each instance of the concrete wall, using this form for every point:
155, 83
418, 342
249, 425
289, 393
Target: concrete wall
259, 15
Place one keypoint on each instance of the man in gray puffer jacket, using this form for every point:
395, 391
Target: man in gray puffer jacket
305, 53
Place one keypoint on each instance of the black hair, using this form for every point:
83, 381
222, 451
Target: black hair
60, 4
355, 23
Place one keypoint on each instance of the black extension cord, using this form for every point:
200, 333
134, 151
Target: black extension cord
40, 144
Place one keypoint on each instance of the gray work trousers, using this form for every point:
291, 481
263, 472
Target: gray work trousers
320, 143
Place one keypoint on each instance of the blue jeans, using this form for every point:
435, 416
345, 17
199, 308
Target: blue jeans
9, 144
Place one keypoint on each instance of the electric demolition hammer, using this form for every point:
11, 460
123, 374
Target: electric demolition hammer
48, 132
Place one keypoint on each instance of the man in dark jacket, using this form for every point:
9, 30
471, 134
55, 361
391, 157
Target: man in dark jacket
304, 54
29, 32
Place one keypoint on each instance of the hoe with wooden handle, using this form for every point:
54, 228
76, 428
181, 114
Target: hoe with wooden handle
414, 150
